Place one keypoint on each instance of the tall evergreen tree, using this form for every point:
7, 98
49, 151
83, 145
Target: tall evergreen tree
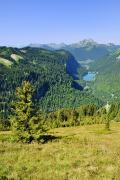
25, 124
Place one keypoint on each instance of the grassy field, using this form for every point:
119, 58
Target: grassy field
77, 153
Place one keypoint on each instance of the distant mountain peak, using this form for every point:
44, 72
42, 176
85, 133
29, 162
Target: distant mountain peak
49, 46
111, 44
88, 42
57, 46
84, 43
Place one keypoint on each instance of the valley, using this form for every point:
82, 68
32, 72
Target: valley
90, 76
86, 63
59, 90
93, 56
50, 102
60, 80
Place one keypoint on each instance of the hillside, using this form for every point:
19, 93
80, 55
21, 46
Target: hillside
51, 73
83, 50
89, 50
86, 152
107, 80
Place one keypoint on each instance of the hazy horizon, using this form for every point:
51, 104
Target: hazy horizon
50, 43
41, 22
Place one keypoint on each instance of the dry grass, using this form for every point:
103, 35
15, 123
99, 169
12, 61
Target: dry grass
86, 152
5, 62
16, 57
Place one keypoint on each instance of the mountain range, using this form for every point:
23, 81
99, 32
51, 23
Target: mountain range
56, 71
83, 50
53, 74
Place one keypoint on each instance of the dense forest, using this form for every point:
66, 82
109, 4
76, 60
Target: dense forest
107, 81
53, 75
58, 96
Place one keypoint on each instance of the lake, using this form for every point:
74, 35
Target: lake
90, 76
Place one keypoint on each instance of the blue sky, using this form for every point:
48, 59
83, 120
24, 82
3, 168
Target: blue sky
44, 21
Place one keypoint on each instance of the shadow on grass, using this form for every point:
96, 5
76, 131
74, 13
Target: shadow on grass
48, 138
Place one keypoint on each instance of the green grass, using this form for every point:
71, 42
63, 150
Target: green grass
5, 62
77, 153
16, 57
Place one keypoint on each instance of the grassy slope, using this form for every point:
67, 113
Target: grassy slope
86, 152
16, 57
5, 62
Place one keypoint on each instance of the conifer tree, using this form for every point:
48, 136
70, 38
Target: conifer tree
25, 124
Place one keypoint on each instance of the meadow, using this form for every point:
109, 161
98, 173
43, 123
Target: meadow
71, 153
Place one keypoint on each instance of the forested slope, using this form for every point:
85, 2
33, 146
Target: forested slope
51, 73
107, 82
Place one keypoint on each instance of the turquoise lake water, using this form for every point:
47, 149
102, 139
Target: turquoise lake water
90, 76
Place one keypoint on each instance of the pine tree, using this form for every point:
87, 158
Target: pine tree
25, 124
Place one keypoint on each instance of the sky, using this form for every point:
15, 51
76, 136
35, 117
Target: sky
23, 22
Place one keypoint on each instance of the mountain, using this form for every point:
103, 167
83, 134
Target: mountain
84, 43
52, 73
90, 50
107, 81
84, 50
51, 46
8, 56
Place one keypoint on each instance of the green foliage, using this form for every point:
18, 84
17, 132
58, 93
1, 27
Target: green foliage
4, 124
86, 114
25, 124
51, 73
106, 85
